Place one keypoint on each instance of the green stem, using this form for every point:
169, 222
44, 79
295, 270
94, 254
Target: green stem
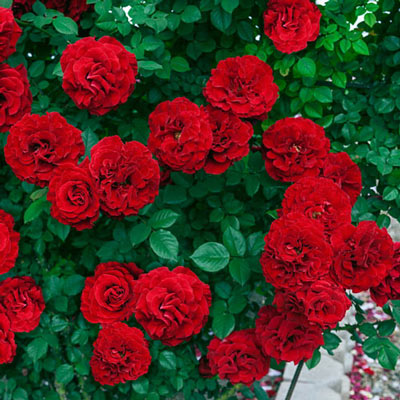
294, 380
231, 392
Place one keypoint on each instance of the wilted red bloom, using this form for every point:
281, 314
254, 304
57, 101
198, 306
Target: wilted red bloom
238, 358
8, 347
291, 24
243, 85
98, 75
15, 95
9, 242
363, 255
9, 33
294, 148
344, 172
120, 354
37, 144
295, 252
230, 140
287, 336
180, 135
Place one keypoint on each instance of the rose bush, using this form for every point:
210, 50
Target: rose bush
193, 190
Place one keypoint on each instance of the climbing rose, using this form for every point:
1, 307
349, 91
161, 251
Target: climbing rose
98, 75
8, 347
287, 336
9, 33
180, 135
294, 148
290, 24
243, 85
127, 177
120, 354
238, 358
230, 140
9, 242
172, 306
37, 144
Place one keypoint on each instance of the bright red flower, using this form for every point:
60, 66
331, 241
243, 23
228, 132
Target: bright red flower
291, 24
8, 347
9, 33
230, 140
180, 135
172, 306
238, 358
243, 85
38, 144
9, 242
294, 148
15, 95
126, 176
363, 255
120, 354
287, 336
98, 75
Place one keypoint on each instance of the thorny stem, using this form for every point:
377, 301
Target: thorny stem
294, 380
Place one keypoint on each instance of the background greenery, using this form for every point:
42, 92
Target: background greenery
347, 81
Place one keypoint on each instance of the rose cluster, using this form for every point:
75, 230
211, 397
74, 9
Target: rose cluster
171, 306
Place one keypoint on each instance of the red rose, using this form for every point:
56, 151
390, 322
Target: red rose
23, 302
126, 175
98, 75
363, 255
20, 7
8, 347
238, 358
9, 33
108, 295
204, 368
120, 354
15, 95
73, 196
295, 252
38, 144
70, 8
172, 306
294, 148
344, 172
180, 135
287, 336
230, 140
8, 242
319, 199
244, 85
290, 24
323, 302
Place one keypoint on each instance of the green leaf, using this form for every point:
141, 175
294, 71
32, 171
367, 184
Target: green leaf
237, 303
89, 140
259, 392
331, 341
345, 45
141, 386
36, 69
221, 19
390, 193
190, 14
360, 47
149, 65
229, 5
35, 209
211, 257
65, 25
239, 270
20, 394
57, 71
164, 244
339, 79
323, 94
59, 229
384, 105
314, 360
386, 328
167, 360
234, 241
180, 64
388, 355
6, 3
37, 349
163, 219
73, 285
306, 67
139, 233
245, 31
223, 324
64, 373
370, 19
396, 310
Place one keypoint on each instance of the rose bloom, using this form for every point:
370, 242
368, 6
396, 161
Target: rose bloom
230, 140
98, 75
20, 7
290, 24
172, 306
294, 148
108, 295
70, 8
120, 354
389, 288
287, 336
243, 85
37, 144
23, 302
238, 358
180, 135
295, 252
73, 197
344, 172
9, 33
127, 177
8, 347
323, 302
319, 199
8, 242
15, 95
363, 255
